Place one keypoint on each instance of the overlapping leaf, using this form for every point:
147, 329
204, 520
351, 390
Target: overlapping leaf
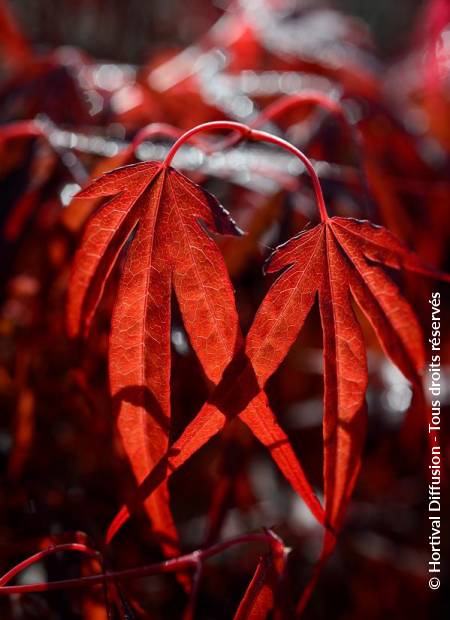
165, 214
162, 209
339, 261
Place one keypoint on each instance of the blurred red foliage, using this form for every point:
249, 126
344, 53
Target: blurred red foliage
377, 134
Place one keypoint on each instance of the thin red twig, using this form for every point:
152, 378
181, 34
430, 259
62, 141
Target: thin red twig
184, 562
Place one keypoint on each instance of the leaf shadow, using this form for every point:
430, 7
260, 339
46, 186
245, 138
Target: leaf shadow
141, 396
237, 388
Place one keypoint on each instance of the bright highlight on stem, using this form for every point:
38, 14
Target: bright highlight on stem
257, 136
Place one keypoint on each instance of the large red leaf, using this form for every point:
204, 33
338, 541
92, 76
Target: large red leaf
337, 261
167, 214
170, 247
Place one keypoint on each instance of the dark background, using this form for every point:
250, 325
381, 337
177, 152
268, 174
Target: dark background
127, 31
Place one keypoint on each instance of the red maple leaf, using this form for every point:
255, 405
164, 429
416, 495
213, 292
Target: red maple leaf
339, 261
165, 214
